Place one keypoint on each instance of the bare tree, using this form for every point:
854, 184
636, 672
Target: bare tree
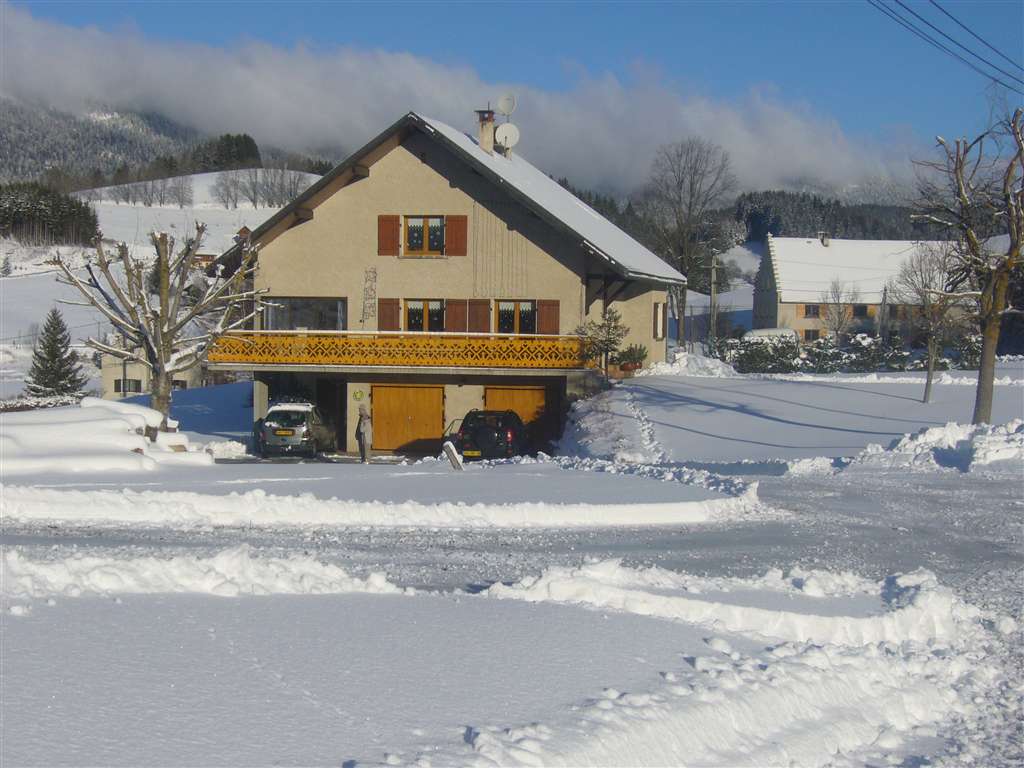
226, 189
688, 180
181, 191
251, 185
837, 309
170, 330
975, 191
920, 287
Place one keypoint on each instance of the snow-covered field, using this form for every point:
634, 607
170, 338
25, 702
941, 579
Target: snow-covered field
717, 571
32, 290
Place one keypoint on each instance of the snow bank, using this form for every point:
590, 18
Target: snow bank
230, 573
919, 610
689, 364
150, 417
100, 436
259, 508
960, 446
225, 449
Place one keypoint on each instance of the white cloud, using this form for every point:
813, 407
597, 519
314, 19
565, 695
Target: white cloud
601, 133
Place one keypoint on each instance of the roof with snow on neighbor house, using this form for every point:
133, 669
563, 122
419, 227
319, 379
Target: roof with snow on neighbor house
805, 266
600, 235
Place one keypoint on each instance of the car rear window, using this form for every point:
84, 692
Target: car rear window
492, 420
284, 418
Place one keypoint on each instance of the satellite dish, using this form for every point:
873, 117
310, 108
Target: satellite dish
507, 135
507, 104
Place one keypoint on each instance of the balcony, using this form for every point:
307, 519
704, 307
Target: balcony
396, 350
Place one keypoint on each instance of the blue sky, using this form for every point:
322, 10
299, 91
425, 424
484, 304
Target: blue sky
792, 89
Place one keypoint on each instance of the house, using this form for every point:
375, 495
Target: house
120, 379
431, 273
796, 272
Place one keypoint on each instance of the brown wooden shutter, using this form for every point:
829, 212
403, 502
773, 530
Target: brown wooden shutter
547, 316
657, 311
664, 319
388, 315
479, 315
456, 235
388, 235
456, 315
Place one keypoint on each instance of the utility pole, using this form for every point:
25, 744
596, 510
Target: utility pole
880, 324
713, 318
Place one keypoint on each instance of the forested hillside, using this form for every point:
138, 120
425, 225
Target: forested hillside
800, 214
35, 215
34, 139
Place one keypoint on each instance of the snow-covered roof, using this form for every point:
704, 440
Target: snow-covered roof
805, 267
597, 233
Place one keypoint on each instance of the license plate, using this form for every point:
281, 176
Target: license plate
284, 432
471, 453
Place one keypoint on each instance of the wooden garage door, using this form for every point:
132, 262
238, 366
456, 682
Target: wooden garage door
528, 402
407, 418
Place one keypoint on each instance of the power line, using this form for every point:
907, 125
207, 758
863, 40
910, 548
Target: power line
977, 37
877, 4
957, 42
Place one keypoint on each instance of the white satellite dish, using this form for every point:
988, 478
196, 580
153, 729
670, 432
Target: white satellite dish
507, 104
507, 135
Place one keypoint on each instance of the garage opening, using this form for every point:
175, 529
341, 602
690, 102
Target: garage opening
535, 405
407, 418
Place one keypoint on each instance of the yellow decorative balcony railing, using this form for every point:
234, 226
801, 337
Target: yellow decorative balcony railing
397, 349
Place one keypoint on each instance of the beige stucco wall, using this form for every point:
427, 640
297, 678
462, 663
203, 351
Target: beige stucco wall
111, 369
636, 306
511, 254
791, 315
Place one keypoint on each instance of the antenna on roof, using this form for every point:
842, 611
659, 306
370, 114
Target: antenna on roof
506, 135
507, 105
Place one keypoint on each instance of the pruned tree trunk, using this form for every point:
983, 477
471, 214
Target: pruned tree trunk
933, 350
160, 396
993, 304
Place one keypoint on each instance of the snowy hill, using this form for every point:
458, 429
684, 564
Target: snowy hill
132, 223
33, 290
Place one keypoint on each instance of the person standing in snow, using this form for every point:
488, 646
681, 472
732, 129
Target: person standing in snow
364, 433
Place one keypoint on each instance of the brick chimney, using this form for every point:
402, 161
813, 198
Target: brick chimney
486, 138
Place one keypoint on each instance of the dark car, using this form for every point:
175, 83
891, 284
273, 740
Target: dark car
492, 435
294, 429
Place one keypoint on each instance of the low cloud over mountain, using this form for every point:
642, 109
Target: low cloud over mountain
601, 133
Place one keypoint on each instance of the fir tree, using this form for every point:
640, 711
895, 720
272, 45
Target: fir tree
5, 267
55, 369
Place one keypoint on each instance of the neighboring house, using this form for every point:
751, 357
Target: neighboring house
431, 273
796, 272
126, 379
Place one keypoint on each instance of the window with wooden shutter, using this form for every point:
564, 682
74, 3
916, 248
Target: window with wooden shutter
388, 235
388, 315
456, 316
479, 316
456, 235
547, 316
